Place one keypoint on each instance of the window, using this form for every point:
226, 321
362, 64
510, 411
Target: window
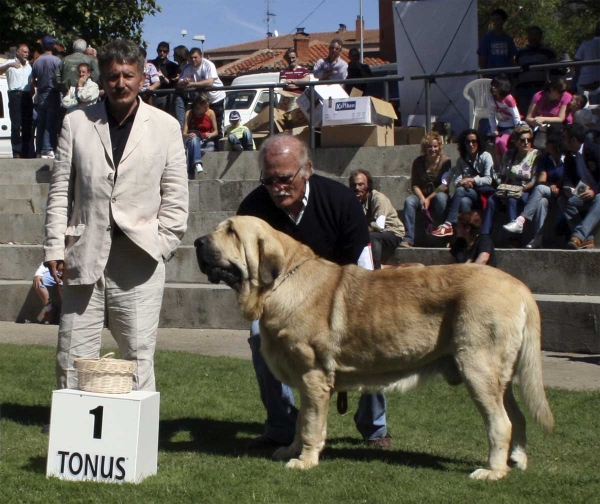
239, 99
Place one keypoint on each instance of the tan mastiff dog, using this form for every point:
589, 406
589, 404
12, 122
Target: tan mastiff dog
327, 328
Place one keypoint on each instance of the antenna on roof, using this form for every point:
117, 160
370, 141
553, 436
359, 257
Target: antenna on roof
269, 16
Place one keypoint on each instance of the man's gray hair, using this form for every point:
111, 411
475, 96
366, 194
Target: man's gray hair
279, 143
122, 51
79, 45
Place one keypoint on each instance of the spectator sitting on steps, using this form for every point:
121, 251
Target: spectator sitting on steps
49, 292
385, 227
471, 245
238, 136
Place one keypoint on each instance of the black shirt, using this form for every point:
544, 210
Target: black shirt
333, 225
119, 133
483, 243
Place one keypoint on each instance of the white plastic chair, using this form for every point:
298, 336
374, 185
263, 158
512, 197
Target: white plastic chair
477, 92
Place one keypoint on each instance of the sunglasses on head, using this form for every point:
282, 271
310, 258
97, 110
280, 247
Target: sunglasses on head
284, 180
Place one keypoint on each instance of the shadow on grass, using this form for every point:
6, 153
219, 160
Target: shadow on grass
221, 437
36, 465
208, 435
25, 414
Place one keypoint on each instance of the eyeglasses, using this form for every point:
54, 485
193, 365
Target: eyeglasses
525, 140
469, 141
284, 180
166, 51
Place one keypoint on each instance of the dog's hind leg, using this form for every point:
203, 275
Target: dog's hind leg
518, 441
486, 388
309, 441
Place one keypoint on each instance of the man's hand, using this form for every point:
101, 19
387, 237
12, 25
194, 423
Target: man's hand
554, 189
81, 82
587, 195
53, 267
37, 282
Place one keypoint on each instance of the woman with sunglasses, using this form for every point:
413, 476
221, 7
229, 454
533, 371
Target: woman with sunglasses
472, 175
518, 168
550, 177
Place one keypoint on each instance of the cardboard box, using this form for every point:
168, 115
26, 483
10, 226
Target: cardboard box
357, 135
358, 110
287, 100
261, 121
408, 135
295, 118
322, 92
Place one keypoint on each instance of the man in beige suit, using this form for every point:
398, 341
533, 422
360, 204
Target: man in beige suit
117, 210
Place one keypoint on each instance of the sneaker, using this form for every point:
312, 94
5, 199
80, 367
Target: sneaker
515, 226
237, 148
536, 243
405, 245
576, 244
48, 155
443, 230
199, 167
382, 443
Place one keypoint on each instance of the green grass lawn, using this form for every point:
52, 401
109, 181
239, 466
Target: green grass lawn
210, 408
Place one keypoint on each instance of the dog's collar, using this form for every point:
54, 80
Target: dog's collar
291, 272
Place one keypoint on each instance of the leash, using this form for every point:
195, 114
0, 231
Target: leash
291, 272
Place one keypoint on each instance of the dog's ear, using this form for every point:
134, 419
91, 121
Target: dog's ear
272, 259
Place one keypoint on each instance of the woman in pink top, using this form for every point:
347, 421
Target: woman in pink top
503, 114
550, 105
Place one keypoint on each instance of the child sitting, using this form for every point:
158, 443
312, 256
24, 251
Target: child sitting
503, 114
237, 136
48, 291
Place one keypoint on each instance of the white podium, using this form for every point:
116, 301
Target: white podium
103, 437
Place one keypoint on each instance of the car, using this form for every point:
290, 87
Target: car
250, 102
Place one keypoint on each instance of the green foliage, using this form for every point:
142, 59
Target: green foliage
210, 408
95, 21
566, 23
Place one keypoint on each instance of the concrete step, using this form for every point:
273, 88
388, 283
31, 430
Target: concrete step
339, 162
543, 271
29, 228
569, 323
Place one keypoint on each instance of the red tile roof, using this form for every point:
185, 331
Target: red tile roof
272, 60
370, 37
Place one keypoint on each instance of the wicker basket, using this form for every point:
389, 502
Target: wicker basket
105, 375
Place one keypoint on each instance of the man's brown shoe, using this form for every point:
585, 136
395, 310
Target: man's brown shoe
382, 443
576, 244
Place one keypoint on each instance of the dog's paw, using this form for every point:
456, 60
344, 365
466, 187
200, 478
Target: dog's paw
518, 459
300, 464
487, 474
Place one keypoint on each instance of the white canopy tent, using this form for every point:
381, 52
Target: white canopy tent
436, 36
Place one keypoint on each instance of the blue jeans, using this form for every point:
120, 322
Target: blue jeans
278, 400
536, 208
572, 207
48, 121
195, 147
245, 143
178, 108
412, 204
462, 201
514, 206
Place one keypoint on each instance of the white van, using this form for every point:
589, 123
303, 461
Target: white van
5, 145
249, 102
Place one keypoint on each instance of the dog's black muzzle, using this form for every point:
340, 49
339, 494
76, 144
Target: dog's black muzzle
209, 262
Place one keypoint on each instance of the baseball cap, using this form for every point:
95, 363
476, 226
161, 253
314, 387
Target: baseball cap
234, 116
48, 40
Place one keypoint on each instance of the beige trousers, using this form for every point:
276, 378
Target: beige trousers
131, 291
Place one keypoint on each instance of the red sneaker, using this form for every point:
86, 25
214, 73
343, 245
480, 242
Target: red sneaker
443, 230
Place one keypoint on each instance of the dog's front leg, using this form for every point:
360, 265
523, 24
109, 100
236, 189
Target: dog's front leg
311, 425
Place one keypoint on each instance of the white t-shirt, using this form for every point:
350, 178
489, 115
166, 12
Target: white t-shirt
206, 70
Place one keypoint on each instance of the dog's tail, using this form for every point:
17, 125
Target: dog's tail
529, 366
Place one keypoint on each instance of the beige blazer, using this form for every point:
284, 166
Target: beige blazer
148, 201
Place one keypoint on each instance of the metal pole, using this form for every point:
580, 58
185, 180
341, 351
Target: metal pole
271, 111
427, 106
361, 33
311, 120
386, 91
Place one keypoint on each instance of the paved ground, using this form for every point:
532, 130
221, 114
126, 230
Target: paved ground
566, 371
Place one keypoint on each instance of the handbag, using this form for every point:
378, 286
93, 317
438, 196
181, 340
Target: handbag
540, 137
509, 191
